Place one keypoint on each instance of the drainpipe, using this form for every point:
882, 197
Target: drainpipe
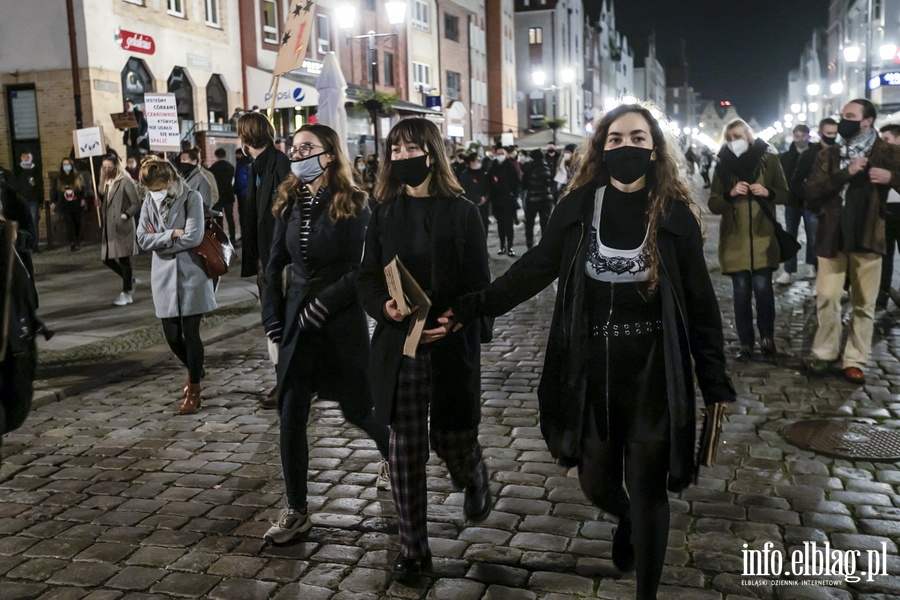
73, 53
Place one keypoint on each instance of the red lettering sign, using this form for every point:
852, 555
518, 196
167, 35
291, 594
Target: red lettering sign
135, 42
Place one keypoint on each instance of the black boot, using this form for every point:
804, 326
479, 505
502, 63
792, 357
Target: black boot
623, 549
405, 569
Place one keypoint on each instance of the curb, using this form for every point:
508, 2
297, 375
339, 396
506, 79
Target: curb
139, 361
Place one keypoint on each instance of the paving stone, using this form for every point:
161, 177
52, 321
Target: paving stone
361, 580
37, 569
498, 574
295, 591
136, 578
84, 574
455, 589
561, 582
191, 585
245, 589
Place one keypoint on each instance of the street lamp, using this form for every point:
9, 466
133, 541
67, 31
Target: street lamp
851, 53
539, 78
837, 87
795, 107
346, 16
887, 51
567, 75
813, 89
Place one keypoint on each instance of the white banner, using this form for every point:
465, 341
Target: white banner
88, 142
162, 122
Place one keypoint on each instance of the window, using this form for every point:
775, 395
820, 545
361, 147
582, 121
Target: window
421, 77
388, 68
270, 21
420, 15
535, 35
451, 27
453, 85
536, 47
176, 7
212, 12
323, 32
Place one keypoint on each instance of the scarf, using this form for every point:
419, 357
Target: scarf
745, 167
858, 147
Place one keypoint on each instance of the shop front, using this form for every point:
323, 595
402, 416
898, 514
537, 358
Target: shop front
295, 99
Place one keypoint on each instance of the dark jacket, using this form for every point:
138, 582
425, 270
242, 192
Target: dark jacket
504, 180
823, 192
271, 167
476, 184
459, 266
242, 170
340, 350
29, 183
692, 326
537, 181
64, 201
797, 167
223, 171
137, 137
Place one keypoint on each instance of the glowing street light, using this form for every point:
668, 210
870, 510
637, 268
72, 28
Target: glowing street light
539, 78
801, 117
887, 51
396, 11
795, 107
851, 53
813, 106
837, 87
567, 75
346, 16
813, 89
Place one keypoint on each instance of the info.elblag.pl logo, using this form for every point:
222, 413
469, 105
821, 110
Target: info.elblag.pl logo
815, 560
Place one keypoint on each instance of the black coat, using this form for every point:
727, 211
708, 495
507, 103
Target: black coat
537, 181
272, 166
339, 352
692, 326
476, 185
459, 266
29, 183
223, 172
504, 180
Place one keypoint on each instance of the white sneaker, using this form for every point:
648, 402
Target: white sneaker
784, 278
290, 524
123, 299
810, 272
383, 481
136, 282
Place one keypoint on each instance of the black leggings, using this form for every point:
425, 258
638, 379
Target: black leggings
643, 467
122, 268
72, 218
506, 214
183, 336
228, 212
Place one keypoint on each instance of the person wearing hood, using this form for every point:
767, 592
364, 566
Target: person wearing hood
796, 171
191, 172
170, 225
120, 204
749, 174
849, 187
537, 181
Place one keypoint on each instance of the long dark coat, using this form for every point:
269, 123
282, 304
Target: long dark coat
692, 326
459, 265
823, 193
257, 221
339, 352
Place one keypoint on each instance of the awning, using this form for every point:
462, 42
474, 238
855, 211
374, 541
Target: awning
541, 138
293, 90
355, 93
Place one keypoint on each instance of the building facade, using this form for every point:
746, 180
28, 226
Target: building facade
501, 69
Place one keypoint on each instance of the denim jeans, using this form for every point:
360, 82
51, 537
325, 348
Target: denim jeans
747, 285
792, 215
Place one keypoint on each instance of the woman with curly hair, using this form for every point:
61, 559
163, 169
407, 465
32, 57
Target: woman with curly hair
634, 306
320, 229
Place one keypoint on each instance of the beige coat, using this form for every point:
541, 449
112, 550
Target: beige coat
120, 205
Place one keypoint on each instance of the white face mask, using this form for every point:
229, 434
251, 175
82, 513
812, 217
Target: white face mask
738, 146
158, 196
500, 158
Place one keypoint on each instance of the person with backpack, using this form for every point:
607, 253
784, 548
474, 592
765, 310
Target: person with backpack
537, 181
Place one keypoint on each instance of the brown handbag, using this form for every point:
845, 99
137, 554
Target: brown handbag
211, 249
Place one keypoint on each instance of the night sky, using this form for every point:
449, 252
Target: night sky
739, 50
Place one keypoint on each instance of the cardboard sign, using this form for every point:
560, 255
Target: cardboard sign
124, 120
88, 142
405, 290
162, 122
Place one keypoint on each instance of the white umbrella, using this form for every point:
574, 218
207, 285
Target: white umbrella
332, 88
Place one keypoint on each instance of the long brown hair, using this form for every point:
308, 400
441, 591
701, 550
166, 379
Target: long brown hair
664, 181
427, 136
120, 171
72, 179
347, 200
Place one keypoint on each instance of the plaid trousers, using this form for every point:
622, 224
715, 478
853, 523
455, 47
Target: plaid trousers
409, 452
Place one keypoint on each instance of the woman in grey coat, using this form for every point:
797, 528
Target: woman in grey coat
172, 223
120, 205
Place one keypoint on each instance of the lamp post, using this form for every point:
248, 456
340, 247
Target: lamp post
867, 88
396, 12
540, 78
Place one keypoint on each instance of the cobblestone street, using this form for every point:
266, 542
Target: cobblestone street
109, 495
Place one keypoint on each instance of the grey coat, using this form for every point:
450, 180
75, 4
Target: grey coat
180, 285
118, 233
197, 181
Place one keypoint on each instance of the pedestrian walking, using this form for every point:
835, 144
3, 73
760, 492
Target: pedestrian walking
747, 184
476, 185
70, 201
29, 183
634, 307
563, 165
796, 172
171, 224
365, 180
504, 180
119, 205
223, 172
422, 219
189, 167
706, 160
269, 168
890, 134
320, 230
848, 187
537, 180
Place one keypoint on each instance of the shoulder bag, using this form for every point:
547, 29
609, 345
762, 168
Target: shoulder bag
215, 249
788, 246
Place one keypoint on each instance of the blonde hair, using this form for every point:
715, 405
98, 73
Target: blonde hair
738, 128
156, 170
347, 200
665, 183
119, 167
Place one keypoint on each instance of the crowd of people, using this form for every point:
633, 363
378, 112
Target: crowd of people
618, 228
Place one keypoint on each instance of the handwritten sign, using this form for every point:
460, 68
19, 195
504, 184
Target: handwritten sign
162, 122
88, 142
124, 120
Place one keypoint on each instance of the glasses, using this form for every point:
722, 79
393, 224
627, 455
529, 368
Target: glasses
303, 150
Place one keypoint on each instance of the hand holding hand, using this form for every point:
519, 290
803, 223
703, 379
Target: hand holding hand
449, 322
857, 164
740, 189
759, 190
433, 335
880, 176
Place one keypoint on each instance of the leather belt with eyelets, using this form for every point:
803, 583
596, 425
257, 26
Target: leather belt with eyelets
626, 329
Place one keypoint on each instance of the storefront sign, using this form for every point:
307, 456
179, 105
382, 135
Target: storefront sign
313, 67
290, 94
162, 122
135, 42
433, 102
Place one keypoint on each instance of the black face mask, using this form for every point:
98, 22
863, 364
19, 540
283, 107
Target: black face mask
411, 171
828, 141
628, 163
848, 129
186, 168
